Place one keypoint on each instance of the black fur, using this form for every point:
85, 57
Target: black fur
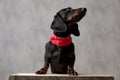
62, 58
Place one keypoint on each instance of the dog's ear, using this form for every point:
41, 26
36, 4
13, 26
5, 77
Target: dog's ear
75, 30
58, 24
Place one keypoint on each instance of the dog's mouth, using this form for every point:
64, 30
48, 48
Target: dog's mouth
76, 18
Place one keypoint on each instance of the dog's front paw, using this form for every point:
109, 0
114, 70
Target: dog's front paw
71, 71
42, 71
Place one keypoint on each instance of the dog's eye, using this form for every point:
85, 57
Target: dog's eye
69, 9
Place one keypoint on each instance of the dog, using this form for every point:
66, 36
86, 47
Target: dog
59, 51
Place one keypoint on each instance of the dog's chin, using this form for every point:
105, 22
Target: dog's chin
76, 20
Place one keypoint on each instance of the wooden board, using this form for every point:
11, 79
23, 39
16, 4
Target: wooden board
32, 76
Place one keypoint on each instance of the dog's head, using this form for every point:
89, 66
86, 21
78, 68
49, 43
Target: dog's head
67, 17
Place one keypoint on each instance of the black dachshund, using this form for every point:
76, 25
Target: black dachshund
59, 51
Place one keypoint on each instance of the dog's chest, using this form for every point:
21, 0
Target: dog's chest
60, 56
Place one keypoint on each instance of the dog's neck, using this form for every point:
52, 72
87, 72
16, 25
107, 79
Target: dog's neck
60, 41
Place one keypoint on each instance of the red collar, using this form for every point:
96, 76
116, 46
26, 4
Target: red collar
60, 41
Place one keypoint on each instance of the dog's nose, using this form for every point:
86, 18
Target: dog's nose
84, 9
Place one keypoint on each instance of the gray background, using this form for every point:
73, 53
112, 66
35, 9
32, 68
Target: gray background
25, 28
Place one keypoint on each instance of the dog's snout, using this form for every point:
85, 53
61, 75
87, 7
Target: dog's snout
83, 9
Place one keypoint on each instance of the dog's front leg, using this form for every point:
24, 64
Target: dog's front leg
71, 71
45, 68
